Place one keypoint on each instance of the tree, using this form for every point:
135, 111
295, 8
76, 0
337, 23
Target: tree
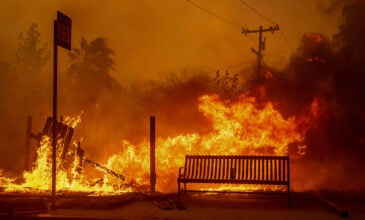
30, 57
90, 68
226, 85
29, 60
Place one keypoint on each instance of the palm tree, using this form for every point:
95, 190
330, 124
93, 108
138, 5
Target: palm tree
90, 68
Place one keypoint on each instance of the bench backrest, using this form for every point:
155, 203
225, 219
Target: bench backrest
260, 169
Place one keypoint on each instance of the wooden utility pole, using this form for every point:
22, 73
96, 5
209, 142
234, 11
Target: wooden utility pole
261, 44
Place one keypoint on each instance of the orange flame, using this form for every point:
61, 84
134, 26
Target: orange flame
313, 37
242, 127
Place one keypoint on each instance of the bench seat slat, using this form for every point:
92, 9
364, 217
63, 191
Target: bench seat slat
246, 164
276, 172
250, 168
258, 169
190, 169
239, 173
209, 161
284, 163
271, 173
204, 167
215, 168
279, 170
223, 168
194, 168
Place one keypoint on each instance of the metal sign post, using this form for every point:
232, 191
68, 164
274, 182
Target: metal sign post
62, 37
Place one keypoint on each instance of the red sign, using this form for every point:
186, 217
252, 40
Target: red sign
63, 31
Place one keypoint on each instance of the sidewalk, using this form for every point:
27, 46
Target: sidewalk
217, 206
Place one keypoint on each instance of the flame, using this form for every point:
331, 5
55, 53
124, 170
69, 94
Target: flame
313, 37
317, 59
244, 127
73, 121
238, 128
268, 75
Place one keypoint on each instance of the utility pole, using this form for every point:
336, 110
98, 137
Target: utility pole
261, 44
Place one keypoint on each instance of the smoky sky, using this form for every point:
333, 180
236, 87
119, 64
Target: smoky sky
155, 36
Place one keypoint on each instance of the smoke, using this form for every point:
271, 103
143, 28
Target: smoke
330, 7
331, 69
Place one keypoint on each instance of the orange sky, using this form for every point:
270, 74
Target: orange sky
151, 37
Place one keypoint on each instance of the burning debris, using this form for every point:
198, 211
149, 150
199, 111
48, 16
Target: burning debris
38, 178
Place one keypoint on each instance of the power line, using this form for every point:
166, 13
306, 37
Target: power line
286, 40
215, 15
257, 12
231, 66
219, 17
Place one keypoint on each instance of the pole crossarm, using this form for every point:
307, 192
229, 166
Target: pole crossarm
270, 29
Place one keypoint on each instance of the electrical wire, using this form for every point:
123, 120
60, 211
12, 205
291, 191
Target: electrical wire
286, 39
230, 67
257, 12
219, 17
215, 15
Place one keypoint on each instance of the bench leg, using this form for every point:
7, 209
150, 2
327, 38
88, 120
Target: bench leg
178, 189
288, 196
184, 188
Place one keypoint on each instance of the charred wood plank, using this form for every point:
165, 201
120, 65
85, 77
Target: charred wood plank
104, 169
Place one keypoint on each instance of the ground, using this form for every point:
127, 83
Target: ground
198, 206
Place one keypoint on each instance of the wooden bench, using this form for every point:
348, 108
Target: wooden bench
263, 170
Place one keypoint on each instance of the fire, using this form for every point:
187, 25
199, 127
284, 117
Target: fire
313, 37
316, 59
73, 121
243, 127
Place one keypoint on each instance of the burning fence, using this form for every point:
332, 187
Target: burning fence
244, 127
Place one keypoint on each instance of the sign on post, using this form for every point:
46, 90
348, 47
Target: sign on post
63, 31
62, 37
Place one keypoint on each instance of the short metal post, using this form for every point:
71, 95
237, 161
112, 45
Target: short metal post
152, 154
27, 143
288, 182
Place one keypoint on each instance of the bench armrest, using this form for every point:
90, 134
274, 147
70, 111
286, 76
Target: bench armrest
181, 174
